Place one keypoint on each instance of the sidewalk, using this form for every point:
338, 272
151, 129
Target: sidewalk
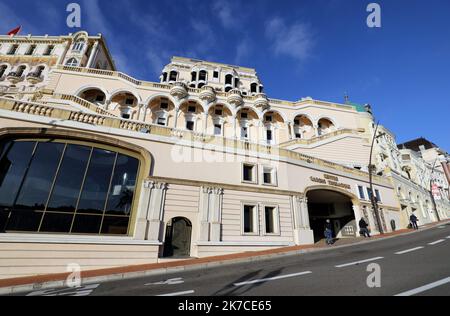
41, 282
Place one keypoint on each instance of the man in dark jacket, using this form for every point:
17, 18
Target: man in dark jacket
328, 232
363, 226
413, 218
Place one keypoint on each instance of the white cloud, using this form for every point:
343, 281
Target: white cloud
243, 50
227, 14
294, 40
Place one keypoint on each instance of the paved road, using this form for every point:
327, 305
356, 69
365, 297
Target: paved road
416, 264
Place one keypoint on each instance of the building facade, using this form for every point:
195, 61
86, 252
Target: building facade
103, 169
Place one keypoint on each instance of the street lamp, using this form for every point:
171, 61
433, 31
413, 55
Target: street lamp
431, 191
373, 197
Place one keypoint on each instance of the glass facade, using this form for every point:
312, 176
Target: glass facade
59, 187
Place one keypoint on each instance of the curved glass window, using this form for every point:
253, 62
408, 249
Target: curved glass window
59, 187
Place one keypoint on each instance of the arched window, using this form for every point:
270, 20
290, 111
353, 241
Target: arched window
66, 187
72, 62
253, 87
78, 46
202, 75
39, 71
20, 70
164, 77
173, 75
3, 70
194, 76
229, 79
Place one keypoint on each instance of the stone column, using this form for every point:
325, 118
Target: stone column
92, 55
204, 213
303, 235
151, 210
177, 111
205, 123
358, 216
291, 128
234, 127
216, 202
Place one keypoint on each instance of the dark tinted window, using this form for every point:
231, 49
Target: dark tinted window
96, 185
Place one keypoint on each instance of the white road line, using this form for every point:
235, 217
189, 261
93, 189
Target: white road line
358, 262
273, 279
178, 293
425, 288
436, 242
408, 250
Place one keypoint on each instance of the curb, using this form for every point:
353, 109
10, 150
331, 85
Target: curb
46, 282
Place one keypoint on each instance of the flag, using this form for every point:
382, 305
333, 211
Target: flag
15, 31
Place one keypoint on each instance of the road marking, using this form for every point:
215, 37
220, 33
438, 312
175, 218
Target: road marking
436, 242
425, 288
167, 282
408, 250
273, 279
77, 291
178, 293
358, 262
448, 237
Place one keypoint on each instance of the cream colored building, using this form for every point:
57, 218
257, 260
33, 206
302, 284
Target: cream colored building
102, 169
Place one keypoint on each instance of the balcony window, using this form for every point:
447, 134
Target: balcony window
228, 79
49, 50
202, 75
253, 87
13, 50
173, 76
362, 196
31, 50
244, 132
2, 70
269, 136
194, 76
161, 121
78, 46
20, 70
164, 77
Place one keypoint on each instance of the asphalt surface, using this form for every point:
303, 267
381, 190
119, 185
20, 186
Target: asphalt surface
407, 264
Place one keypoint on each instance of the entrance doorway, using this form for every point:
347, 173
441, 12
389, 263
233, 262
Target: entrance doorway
335, 206
178, 238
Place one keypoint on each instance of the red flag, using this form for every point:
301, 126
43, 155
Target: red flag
15, 31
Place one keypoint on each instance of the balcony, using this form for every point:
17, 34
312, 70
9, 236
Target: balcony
34, 77
234, 97
178, 90
208, 94
14, 77
261, 101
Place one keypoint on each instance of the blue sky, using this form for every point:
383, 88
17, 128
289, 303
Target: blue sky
322, 48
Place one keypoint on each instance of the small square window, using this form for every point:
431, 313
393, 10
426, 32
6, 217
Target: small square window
126, 116
192, 109
249, 173
269, 176
190, 126
297, 122
269, 135
99, 98
298, 135
244, 115
129, 101
219, 112
269, 118
216, 74
378, 195
164, 106
244, 132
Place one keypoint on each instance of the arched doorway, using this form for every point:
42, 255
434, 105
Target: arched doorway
178, 238
337, 207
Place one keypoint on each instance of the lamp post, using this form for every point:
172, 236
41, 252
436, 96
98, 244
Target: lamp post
431, 191
373, 197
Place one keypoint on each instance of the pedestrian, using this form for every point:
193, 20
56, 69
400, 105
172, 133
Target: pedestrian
364, 230
413, 218
328, 232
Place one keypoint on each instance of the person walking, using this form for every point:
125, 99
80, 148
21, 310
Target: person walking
413, 218
328, 232
363, 226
